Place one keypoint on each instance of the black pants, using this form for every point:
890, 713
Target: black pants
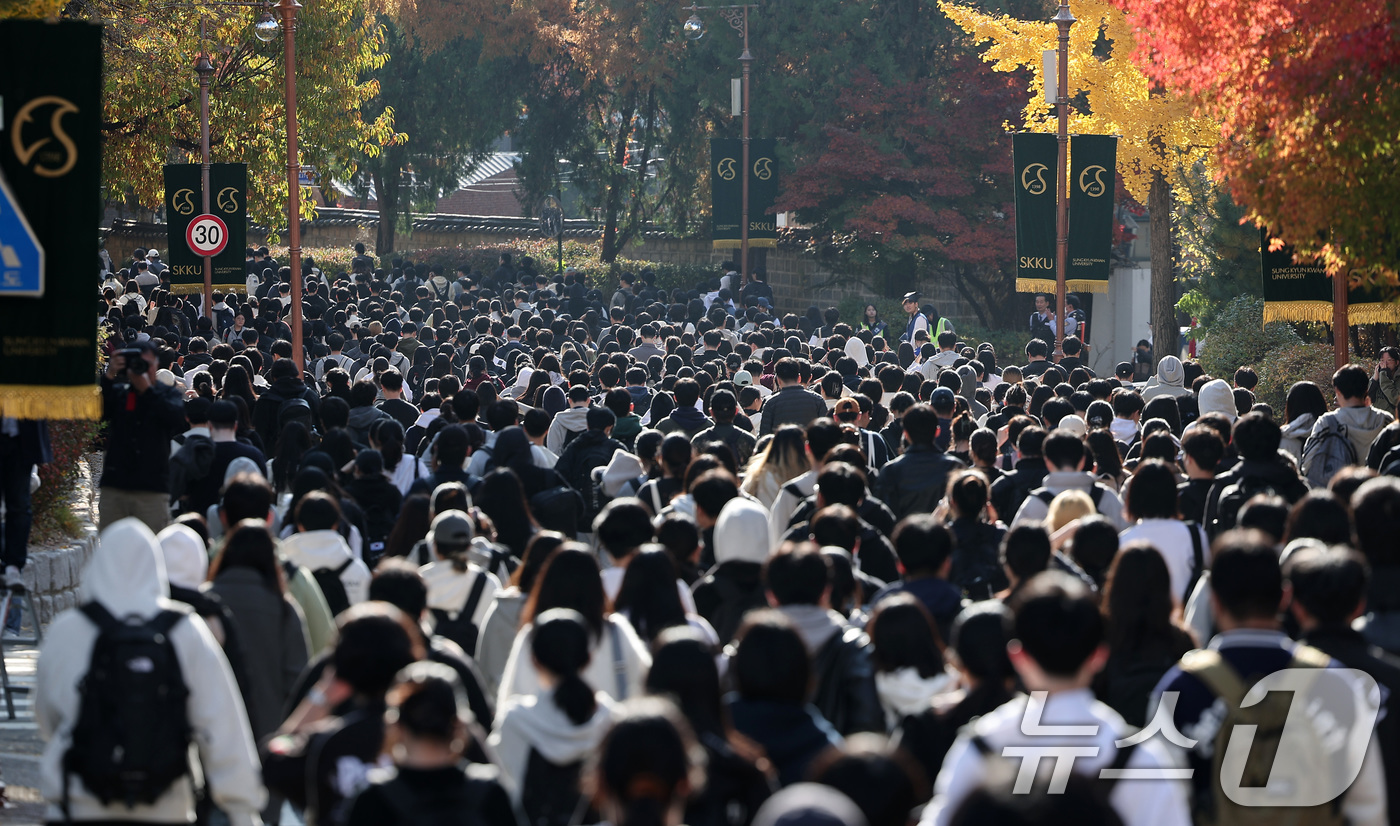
14, 492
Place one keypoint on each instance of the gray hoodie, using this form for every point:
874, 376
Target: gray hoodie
1169, 381
815, 625
1362, 425
572, 420
969, 391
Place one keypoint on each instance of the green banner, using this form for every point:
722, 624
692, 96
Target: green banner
726, 192
1092, 172
228, 199
1033, 157
1302, 291
51, 95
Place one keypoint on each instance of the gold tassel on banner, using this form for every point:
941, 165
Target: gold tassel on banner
754, 243
31, 401
1047, 285
1381, 312
1316, 311
195, 289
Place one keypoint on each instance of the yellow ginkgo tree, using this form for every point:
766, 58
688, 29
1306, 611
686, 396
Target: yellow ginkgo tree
1159, 134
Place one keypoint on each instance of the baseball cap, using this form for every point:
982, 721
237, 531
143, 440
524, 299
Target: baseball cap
911, 296
1073, 424
847, 410
943, 397
743, 378
452, 529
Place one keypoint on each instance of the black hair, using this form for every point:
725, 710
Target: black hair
922, 544
902, 635
1319, 515
560, 644
880, 778
1026, 550
428, 701
797, 574
1094, 545
623, 526
372, 646
1351, 382
570, 579
397, 582
1376, 507
318, 511
647, 763
1256, 437
250, 544
1245, 575
1329, 585
648, 595
1063, 450
1151, 491
771, 661
1057, 622
683, 668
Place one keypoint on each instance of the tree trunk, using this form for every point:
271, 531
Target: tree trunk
1165, 333
962, 280
386, 190
617, 181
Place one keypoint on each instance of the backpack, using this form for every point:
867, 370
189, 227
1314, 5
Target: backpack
550, 793
294, 410
332, 588
451, 806
1232, 499
1266, 764
190, 463
1327, 452
132, 737
558, 509
461, 629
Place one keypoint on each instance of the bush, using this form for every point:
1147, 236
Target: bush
60, 478
1282, 367
1239, 338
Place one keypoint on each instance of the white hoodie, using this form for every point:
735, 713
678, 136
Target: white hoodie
526, 723
127, 577
315, 550
904, 692
521, 677
449, 588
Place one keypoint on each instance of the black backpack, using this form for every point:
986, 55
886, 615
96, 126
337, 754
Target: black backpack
294, 410
189, 464
1232, 499
1047, 496
550, 794
461, 629
132, 737
332, 588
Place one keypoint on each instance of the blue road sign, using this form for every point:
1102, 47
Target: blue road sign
21, 255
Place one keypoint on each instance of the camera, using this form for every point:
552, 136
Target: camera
135, 360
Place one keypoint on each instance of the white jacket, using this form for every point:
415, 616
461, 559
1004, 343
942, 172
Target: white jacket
522, 678
449, 588
526, 723
127, 577
315, 550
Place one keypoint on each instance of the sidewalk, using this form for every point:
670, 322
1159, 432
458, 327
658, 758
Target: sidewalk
20, 745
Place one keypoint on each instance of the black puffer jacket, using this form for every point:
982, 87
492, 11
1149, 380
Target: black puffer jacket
791, 405
139, 429
270, 402
729, 591
915, 481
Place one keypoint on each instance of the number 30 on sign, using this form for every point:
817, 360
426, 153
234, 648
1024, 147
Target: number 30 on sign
207, 235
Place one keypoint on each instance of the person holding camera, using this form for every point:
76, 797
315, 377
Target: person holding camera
142, 417
1385, 387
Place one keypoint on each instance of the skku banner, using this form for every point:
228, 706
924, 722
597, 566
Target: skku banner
228, 199
1033, 160
726, 192
1092, 172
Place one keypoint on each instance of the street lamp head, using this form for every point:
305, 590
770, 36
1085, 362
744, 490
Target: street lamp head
694, 28
266, 28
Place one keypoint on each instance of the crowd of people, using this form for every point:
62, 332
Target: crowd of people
510, 550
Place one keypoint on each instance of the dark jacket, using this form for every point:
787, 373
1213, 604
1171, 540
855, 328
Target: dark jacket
380, 500
1191, 498
791, 405
734, 790
876, 555
265, 411
408, 797
727, 592
976, 558
33, 442
1275, 475
942, 598
916, 481
1382, 626
686, 420
740, 442
139, 429
592, 448
845, 680
1011, 490
791, 735
204, 492
275, 652
304, 768
1125, 684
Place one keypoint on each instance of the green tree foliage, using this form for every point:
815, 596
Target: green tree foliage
450, 105
1218, 256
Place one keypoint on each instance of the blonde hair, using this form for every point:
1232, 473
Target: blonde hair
1068, 506
785, 456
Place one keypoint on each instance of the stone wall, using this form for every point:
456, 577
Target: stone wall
52, 576
798, 280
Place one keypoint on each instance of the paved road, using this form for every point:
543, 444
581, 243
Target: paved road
20, 745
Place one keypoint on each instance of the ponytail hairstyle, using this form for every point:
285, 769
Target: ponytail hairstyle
389, 434
561, 646
647, 765
427, 701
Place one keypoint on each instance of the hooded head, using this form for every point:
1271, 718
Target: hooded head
186, 558
741, 532
127, 571
969, 382
554, 401
1217, 397
855, 348
809, 804
1170, 372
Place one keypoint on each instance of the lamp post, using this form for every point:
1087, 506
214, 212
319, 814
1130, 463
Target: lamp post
1063, 20
737, 17
267, 30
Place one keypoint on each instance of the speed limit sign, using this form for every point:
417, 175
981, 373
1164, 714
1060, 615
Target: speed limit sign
207, 235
